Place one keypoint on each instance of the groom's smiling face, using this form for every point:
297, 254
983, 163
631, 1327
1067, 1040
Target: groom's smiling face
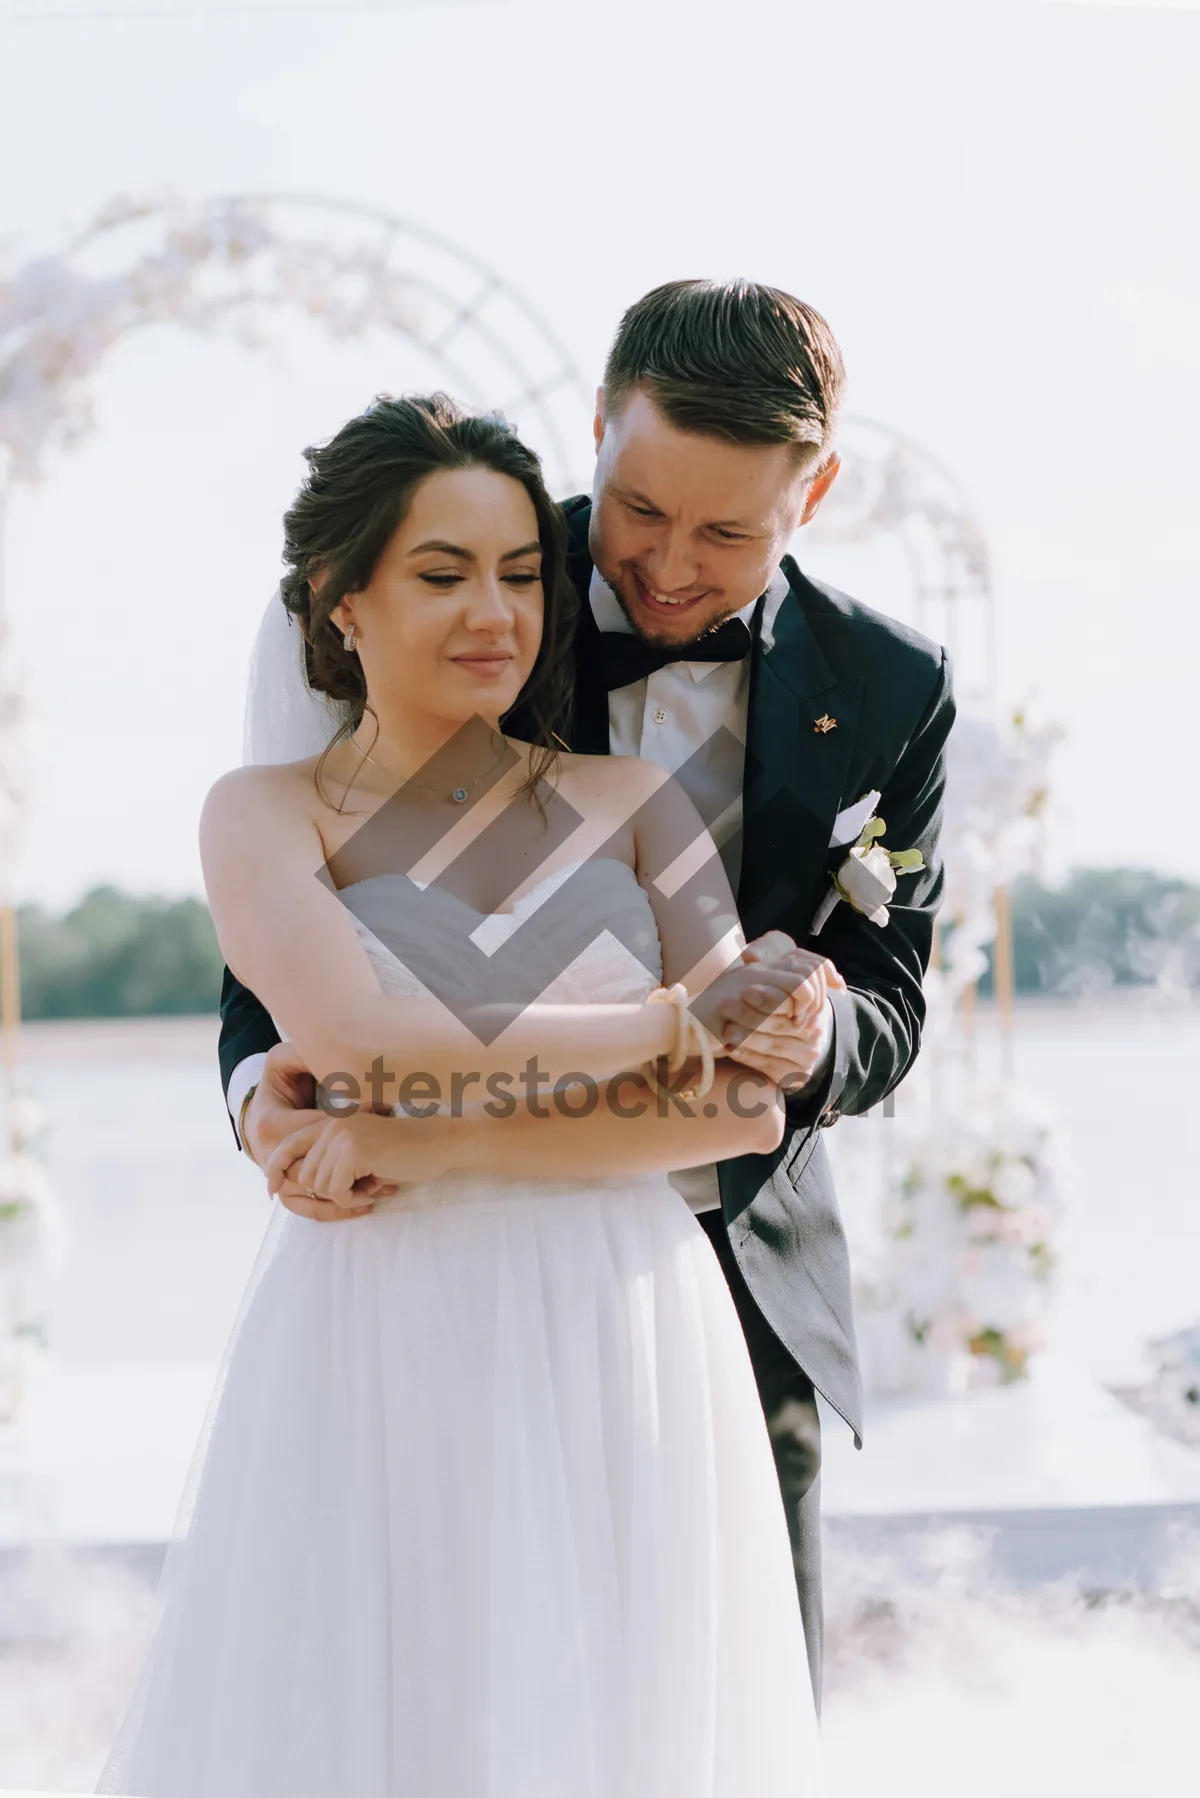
686, 528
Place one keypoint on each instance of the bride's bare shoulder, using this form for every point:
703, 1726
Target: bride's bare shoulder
264, 793
615, 777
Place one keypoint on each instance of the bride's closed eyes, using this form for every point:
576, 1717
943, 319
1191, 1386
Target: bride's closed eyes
524, 578
519, 568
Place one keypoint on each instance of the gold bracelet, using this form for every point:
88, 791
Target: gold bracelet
241, 1122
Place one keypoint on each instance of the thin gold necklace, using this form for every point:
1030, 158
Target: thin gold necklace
458, 795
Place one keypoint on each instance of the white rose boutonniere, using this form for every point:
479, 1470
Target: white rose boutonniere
867, 878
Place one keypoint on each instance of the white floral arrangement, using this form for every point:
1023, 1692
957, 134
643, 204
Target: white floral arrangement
997, 787
963, 1280
958, 1274
32, 1247
203, 267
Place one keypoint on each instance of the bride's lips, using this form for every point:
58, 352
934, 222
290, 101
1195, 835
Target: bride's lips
486, 666
659, 608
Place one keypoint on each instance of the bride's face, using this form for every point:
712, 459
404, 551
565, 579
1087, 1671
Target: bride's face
451, 620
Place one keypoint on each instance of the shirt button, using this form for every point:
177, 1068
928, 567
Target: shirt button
660, 717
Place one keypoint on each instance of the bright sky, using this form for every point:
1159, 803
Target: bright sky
995, 207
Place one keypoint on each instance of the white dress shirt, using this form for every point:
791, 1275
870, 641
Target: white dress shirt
664, 718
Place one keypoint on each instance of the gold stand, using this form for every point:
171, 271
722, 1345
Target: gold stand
968, 1021
1004, 978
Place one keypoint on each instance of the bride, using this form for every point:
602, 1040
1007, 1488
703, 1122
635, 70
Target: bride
487, 1506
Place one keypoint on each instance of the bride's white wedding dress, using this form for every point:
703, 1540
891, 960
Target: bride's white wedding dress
487, 1507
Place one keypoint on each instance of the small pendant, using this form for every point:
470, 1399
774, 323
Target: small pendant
459, 795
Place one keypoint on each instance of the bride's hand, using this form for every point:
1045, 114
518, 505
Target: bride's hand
753, 994
785, 1044
326, 1211
319, 1161
800, 978
345, 1161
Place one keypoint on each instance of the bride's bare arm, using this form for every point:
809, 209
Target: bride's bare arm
628, 1130
631, 1129
287, 936
621, 1126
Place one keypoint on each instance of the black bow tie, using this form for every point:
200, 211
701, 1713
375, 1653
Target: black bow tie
625, 658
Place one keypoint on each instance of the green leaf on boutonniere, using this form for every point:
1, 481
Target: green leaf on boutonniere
874, 827
906, 861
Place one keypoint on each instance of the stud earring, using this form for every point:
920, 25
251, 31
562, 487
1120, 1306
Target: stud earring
348, 641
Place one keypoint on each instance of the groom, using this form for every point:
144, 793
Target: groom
714, 434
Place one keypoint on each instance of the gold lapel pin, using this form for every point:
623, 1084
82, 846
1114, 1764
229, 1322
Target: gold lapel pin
825, 723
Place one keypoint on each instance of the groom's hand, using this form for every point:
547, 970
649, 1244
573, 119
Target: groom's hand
286, 1097
788, 1041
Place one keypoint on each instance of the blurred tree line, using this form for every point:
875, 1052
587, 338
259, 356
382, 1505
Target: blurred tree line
114, 955
117, 956
1103, 928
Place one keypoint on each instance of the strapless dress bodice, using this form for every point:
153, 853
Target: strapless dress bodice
584, 935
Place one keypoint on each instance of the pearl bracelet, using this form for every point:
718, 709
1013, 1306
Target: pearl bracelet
690, 1038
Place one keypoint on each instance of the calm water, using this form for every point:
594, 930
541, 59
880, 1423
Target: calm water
165, 1216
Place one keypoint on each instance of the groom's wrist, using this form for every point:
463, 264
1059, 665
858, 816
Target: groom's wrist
804, 1100
243, 1137
822, 1050
245, 1078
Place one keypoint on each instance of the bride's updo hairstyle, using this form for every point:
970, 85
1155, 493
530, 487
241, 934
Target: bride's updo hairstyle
354, 498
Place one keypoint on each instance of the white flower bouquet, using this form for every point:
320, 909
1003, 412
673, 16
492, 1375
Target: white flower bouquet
960, 1289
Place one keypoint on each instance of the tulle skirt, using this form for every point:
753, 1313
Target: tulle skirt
486, 1509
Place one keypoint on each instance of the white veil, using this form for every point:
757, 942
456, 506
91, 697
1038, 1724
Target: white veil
285, 720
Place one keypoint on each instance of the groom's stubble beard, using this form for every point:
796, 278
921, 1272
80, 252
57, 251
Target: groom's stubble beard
710, 624
616, 576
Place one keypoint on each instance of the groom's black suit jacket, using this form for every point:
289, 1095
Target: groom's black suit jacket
816, 655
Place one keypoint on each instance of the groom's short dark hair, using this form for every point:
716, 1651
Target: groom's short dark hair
731, 359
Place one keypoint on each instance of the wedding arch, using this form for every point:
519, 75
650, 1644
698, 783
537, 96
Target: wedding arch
891, 486
229, 265
956, 1291
233, 265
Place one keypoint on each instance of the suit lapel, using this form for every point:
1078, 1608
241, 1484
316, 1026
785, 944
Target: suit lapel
589, 719
589, 723
795, 770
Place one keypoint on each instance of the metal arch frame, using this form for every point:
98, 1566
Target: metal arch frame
965, 573
465, 314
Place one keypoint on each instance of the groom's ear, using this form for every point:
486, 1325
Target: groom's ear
598, 421
825, 477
